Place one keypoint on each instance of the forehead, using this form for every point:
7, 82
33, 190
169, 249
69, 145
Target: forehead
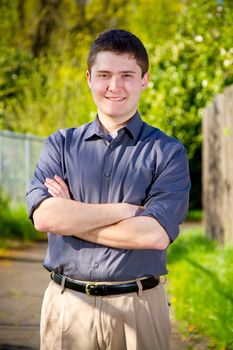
109, 61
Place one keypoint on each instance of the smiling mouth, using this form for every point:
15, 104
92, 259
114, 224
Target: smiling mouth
115, 99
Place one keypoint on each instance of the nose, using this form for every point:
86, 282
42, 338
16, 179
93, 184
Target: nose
115, 83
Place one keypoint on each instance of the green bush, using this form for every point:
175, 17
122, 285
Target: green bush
14, 222
200, 288
46, 92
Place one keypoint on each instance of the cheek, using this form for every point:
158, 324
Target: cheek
135, 93
134, 89
98, 88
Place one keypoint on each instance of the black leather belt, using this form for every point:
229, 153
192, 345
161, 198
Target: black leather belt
97, 289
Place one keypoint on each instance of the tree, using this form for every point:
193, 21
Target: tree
186, 72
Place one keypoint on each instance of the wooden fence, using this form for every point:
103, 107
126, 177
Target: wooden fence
218, 167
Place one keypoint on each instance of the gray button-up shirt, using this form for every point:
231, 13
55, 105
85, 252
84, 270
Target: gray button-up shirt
142, 166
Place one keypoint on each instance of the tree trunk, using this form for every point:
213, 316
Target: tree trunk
46, 24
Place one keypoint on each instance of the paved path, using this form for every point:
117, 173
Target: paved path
23, 281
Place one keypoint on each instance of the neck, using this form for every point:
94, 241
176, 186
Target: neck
112, 124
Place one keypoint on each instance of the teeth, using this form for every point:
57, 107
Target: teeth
115, 98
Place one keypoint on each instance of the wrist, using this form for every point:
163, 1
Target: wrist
131, 210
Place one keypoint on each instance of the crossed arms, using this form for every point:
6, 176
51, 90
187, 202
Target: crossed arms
114, 225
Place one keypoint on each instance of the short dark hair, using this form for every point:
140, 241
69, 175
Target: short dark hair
119, 41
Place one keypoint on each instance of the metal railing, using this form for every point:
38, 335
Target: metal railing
19, 154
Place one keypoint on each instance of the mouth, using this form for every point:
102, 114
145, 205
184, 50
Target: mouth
115, 99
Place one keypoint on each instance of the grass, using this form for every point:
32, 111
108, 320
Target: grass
195, 215
200, 288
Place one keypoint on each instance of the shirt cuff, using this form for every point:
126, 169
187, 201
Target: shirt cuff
34, 202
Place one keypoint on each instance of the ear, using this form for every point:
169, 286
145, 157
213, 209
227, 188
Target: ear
88, 76
145, 80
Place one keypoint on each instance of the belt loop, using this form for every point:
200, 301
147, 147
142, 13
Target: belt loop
163, 279
63, 281
140, 290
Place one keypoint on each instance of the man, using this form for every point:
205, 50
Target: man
111, 194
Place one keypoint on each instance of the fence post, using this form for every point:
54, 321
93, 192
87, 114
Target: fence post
27, 150
218, 167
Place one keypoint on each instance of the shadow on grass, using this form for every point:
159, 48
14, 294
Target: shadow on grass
186, 246
187, 243
219, 286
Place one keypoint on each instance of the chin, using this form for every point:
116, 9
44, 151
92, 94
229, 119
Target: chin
113, 114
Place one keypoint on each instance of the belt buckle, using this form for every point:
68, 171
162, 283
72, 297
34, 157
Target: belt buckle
88, 288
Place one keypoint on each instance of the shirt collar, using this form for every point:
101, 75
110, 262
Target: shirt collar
94, 130
133, 127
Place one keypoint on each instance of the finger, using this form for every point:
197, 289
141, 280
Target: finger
59, 180
57, 186
53, 184
56, 190
63, 184
50, 180
53, 193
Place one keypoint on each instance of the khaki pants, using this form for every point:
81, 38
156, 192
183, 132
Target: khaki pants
75, 321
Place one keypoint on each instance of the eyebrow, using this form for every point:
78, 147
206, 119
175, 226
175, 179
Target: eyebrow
123, 71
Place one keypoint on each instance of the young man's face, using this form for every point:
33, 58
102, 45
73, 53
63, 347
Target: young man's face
116, 83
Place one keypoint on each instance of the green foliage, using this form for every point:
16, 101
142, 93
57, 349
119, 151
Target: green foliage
154, 21
14, 222
200, 288
55, 96
43, 50
43, 93
186, 73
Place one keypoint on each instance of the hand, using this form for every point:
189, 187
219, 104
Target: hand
57, 187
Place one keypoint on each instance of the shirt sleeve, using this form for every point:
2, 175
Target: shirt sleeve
49, 164
168, 198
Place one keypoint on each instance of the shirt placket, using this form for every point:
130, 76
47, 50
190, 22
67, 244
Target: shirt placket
107, 172
107, 175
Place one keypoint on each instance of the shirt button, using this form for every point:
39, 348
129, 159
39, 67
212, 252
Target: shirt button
96, 265
107, 174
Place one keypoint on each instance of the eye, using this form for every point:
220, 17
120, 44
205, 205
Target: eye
127, 75
103, 75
